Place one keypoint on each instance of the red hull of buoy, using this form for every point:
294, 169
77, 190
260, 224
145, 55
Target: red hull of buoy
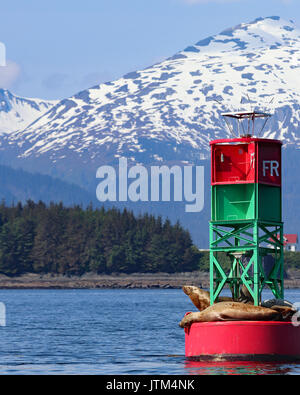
244, 340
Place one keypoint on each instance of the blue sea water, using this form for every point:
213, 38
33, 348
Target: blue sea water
107, 332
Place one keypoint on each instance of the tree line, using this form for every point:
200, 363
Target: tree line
40, 238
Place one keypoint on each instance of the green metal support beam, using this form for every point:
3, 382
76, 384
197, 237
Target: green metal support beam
239, 244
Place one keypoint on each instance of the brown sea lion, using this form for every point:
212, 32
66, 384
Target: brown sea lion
201, 298
245, 296
231, 311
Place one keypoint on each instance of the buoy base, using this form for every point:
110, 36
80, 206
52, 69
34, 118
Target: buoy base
243, 340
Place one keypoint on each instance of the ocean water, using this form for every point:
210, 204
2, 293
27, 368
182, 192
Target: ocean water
107, 332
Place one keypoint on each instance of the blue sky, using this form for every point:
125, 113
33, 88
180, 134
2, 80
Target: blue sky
55, 49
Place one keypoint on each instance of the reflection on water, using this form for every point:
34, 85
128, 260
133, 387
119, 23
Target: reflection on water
240, 367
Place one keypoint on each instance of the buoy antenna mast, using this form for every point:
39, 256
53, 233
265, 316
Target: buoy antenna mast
249, 117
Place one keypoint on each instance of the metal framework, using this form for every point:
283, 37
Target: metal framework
250, 239
246, 212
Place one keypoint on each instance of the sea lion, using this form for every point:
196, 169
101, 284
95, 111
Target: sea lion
245, 296
231, 311
201, 298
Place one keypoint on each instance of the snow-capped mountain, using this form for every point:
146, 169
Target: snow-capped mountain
16, 113
171, 110
168, 113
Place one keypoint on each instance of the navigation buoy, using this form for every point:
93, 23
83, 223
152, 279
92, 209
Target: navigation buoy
246, 224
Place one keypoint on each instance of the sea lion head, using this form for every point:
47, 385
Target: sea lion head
188, 289
199, 297
191, 289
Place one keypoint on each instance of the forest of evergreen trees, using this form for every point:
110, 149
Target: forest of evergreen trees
39, 238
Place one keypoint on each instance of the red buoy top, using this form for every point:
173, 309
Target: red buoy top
246, 160
244, 140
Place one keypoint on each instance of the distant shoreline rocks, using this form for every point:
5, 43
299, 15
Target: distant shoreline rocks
120, 281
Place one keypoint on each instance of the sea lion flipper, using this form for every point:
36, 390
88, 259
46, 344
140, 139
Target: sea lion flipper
189, 319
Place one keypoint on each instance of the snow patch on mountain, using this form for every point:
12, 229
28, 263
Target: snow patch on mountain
16, 113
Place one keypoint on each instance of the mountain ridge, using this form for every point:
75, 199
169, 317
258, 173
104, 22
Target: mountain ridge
175, 101
18, 112
168, 112
17, 185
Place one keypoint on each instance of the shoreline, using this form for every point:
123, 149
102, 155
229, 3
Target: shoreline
105, 281
121, 281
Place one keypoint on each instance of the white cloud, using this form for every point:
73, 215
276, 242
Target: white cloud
9, 74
